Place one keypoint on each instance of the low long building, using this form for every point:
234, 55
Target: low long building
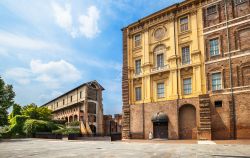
83, 103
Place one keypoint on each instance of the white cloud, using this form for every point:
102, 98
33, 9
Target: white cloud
52, 74
11, 40
89, 22
85, 24
20, 75
63, 18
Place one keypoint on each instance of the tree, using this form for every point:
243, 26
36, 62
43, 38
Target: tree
6, 101
16, 111
35, 112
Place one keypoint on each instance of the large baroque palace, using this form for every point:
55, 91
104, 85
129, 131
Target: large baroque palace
186, 72
83, 103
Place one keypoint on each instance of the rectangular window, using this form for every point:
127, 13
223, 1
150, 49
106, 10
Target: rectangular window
57, 104
71, 98
214, 47
187, 86
137, 40
218, 104
239, 1
211, 9
216, 81
160, 60
138, 66
184, 24
63, 101
185, 55
138, 93
80, 94
160, 90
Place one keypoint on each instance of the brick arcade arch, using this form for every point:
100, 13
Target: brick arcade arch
187, 122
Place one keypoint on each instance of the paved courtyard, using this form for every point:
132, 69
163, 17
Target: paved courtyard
42, 148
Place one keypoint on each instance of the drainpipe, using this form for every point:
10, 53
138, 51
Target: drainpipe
177, 67
231, 73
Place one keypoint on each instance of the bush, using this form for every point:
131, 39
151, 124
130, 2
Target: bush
32, 126
63, 122
67, 131
16, 126
74, 123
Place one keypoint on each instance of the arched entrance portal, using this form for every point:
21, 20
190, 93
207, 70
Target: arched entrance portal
160, 125
187, 122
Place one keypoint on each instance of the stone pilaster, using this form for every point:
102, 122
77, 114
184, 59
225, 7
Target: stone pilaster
204, 130
125, 90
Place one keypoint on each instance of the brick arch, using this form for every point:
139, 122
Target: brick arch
187, 122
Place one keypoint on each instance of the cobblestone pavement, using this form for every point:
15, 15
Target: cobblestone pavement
42, 148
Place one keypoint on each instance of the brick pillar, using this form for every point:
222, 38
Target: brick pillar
125, 90
204, 130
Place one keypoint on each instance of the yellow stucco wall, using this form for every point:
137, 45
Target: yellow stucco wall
173, 74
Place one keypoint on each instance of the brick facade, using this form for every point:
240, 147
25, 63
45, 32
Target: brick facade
209, 112
230, 24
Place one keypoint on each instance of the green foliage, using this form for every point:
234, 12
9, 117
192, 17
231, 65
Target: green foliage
62, 122
16, 125
16, 111
6, 101
74, 123
66, 131
35, 112
32, 126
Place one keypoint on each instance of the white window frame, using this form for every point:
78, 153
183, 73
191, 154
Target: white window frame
189, 57
221, 84
238, 2
189, 90
160, 94
213, 54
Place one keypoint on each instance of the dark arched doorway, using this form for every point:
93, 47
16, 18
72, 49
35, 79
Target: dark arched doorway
187, 122
93, 128
160, 125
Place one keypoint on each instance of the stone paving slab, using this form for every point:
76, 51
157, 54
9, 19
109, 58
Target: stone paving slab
42, 148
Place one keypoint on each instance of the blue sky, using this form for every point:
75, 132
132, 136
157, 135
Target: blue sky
49, 47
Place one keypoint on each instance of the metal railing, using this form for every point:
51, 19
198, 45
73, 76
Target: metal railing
160, 68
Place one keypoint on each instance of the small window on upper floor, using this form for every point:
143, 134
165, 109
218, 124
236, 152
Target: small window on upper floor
63, 102
237, 2
71, 98
80, 94
214, 47
57, 104
185, 55
216, 81
184, 24
160, 90
218, 103
138, 66
138, 93
137, 40
211, 10
187, 86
